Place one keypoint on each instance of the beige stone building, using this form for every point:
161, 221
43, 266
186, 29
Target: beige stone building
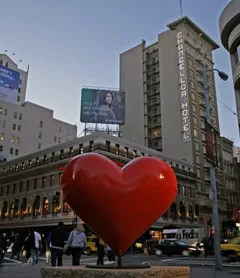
165, 103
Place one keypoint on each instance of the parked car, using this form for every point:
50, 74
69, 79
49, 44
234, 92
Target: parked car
231, 249
169, 248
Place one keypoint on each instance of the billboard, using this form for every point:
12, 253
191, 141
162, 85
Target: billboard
102, 106
9, 83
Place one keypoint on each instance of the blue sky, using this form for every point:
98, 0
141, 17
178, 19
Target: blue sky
76, 43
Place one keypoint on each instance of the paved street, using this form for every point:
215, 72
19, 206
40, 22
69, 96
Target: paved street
199, 266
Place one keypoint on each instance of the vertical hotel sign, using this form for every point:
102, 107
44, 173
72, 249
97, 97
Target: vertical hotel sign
186, 130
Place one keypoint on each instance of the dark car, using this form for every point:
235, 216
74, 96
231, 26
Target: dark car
170, 248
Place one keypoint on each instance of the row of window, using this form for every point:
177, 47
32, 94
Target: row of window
15, 114
28, 185
63, 154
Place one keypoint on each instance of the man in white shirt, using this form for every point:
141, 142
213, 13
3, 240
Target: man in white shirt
35, 249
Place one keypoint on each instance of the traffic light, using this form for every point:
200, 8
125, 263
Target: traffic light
209, 222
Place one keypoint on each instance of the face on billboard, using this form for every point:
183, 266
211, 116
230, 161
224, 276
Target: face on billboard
9, 83
102, 106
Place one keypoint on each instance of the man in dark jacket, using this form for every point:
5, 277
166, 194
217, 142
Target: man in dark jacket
56, 241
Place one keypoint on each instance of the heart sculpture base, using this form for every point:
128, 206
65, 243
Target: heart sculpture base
83, 272
115, 266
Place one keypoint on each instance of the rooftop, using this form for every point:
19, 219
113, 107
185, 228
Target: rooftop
195, 28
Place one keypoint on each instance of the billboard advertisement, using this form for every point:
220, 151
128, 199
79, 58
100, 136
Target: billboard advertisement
9, 83
102, 106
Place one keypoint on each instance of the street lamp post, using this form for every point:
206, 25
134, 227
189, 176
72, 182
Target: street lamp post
215, 217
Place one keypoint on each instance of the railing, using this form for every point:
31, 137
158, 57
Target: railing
123, 156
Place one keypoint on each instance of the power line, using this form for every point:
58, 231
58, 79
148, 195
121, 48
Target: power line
234, 113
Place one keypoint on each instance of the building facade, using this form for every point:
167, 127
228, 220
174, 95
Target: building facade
229, 23
231, 186
30, 193
165, 101
7, 62
26, 127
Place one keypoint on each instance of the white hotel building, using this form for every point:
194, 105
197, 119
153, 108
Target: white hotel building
26, 127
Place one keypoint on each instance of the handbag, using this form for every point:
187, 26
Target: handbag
69, 248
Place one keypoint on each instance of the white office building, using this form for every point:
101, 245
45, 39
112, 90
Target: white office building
26, 127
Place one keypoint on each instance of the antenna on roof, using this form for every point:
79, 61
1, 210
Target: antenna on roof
181, 8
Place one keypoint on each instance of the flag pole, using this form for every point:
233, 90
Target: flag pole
181, 8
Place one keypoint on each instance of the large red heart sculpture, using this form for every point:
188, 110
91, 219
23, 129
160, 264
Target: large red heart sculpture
118, 204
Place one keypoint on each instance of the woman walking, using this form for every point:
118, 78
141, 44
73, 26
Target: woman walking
77, 242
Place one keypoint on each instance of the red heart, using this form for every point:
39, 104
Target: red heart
118, 204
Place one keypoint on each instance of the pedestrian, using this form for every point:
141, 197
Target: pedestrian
28, 244
56, 241
110, 254
100, 244
145, 249
77, 242
205, 246
16, 246
35, 247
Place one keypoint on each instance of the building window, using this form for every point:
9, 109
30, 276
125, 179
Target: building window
193, 96
195, 120
43, 182
19, 90
23, 165
70, 151
21, 186
61, 154
51, 180
5, 112
37, 160
59, 140
108, 146
55, 138
1, 148
117, 147
4, 123
1, 110
17, 140
16, 152
192, 84
80, 151
19, 128
35, 184
12, 139
28, 185
134, 153
20, 81
53, 155
191, 73
194, 109
197, 159
91, 146
30, 162
11, 150
2, 136
45, 158
126, 151
14, 188
18, 98
196, 146
39, 146
20, 117
6, 65
40, 135
14, 127
41, 124
195, 131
